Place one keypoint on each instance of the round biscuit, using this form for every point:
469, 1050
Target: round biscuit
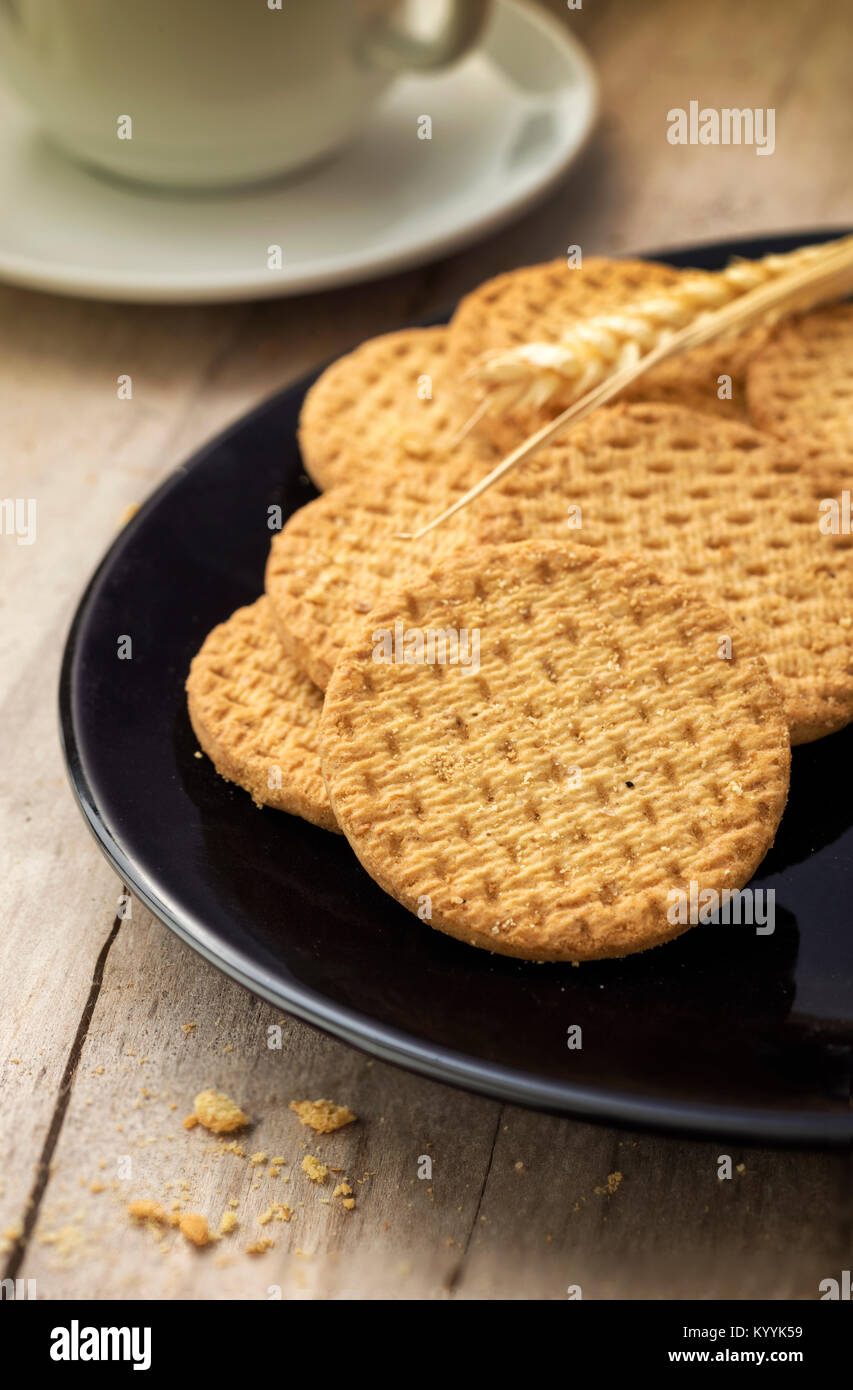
800, 388
548, 800
735, 512
392, 404
255, 714
334, 555
538, 303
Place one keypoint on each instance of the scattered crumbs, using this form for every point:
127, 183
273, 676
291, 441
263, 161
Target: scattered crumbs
257, 1159
193, 1226
232, 1147
149, 1212
16, 1061
348, 1202
277, 1211
306, 1254
610, 1186
519, 1166
260, 1246
196, 754
228, 1223
67, 1241
323, 1115
343, 1189
218, 1112
229, 1048
97, 1187
317, 1171
99, 1071
190, 1121
189, 1027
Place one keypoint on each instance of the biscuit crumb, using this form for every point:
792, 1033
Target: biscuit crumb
323, 1115
228, 1223
218, 1112
343, 1189
260, 1246
193, 1226
348, 1202
610, 1186
146, 1210
317, 1171
277, 1211
190, 1121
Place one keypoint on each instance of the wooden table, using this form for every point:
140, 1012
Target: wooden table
98, 1062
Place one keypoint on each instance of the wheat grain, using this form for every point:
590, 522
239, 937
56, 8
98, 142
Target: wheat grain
593, 349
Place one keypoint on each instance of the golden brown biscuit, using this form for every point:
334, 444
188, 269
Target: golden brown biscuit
334, 555
800, 388
729, 509
256, 715
549, 798
391, 405
538, 303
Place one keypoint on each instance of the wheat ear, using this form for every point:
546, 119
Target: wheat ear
594, 348
825, 278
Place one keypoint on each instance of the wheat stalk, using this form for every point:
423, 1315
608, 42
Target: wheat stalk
596, 347
826, 277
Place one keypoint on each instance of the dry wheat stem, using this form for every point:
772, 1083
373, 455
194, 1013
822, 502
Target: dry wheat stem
593, 348
828, 278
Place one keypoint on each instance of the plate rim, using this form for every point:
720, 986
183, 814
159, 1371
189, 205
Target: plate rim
224, 287
390, 1044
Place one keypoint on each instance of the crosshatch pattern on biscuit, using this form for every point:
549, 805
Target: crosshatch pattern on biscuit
393, 403
734, 511
800, 388
539, 303
256, 716
333, 556
460, 789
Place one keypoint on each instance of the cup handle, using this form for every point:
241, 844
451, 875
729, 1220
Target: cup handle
388, 47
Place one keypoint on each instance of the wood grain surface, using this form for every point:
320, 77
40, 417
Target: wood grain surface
94, 1048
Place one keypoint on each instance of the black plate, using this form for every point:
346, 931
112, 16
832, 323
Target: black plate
722, 1031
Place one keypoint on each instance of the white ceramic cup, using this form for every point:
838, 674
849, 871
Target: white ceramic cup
206, 93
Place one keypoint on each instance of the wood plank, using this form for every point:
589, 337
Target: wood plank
138, 1061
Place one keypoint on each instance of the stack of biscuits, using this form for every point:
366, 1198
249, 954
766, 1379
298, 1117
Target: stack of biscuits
577, 696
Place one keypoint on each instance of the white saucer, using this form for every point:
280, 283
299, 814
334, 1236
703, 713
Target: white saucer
506, 123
